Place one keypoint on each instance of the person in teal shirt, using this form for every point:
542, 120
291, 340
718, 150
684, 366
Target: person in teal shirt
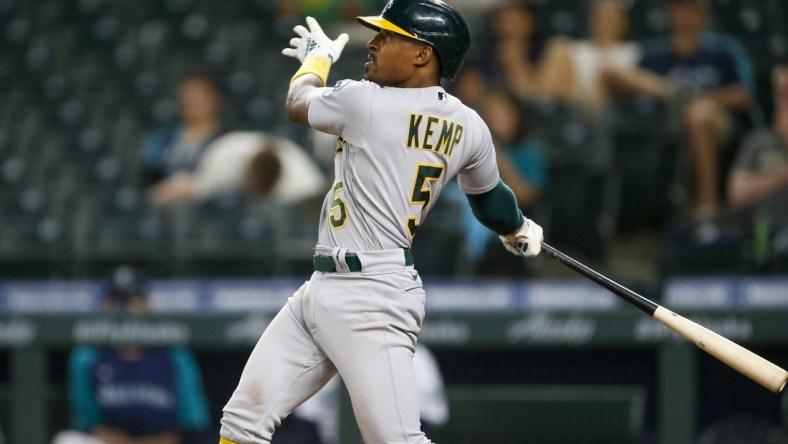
522, 166
132, 394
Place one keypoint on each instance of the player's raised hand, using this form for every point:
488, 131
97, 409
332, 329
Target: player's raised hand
314, 41
526, 241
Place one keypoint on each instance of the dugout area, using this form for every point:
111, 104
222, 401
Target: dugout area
554, 395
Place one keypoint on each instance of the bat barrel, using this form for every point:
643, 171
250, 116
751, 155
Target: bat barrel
745, 361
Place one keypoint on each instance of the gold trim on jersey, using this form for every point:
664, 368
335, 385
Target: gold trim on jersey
422, 136
337, 221
421, 193
341, 144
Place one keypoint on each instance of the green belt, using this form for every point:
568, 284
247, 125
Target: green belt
324, 262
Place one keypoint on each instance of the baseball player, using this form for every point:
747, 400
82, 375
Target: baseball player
400, 139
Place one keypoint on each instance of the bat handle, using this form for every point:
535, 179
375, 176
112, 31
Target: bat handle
645, 305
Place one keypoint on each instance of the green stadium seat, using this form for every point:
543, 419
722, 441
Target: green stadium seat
34, 245
581, 210
569, 138
644, 159
119, 226
226, 236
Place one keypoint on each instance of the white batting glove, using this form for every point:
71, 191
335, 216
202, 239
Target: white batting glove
314, 42
526, 241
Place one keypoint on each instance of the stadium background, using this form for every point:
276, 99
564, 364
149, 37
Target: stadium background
82, 82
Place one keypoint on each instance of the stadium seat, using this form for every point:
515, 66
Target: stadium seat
644, 159
18, 32
5, 142
29, 200
120, 226
13, 170
582, 210
226, 236
569, 138
34, 245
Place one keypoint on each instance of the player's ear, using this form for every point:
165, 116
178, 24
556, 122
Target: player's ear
424, 56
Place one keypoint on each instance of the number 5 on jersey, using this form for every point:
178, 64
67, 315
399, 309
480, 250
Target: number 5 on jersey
338, 214
422, 191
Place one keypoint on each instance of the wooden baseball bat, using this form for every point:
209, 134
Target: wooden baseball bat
746, 362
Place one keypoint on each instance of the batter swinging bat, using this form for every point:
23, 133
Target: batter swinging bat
748, 363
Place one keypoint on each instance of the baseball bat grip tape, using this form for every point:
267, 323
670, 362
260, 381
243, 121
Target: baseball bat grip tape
619, 290
744, 361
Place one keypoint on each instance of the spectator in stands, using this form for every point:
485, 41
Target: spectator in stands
256, 162
133, 394
510, 59
571, 69
522, 166
758, 181
711, 77
761, 166
171, 153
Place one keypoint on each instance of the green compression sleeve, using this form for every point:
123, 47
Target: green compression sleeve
497, 209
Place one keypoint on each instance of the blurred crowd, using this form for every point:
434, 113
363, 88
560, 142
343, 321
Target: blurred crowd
151, 132
611, 117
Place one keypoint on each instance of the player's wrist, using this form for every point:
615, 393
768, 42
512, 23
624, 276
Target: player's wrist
318, 65
520, 227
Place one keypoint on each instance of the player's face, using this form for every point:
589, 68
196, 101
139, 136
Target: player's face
388, 59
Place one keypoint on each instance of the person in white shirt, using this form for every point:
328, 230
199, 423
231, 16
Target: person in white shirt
237, 160
574, 70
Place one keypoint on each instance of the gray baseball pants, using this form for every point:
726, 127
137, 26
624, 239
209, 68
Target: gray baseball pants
363, 325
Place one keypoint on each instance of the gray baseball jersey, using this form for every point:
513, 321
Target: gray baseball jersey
397, 150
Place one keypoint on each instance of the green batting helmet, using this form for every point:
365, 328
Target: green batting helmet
430, 21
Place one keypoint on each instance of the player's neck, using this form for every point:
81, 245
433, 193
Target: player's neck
421, 78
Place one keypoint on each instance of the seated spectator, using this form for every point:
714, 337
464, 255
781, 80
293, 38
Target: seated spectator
522, 167
571, 70
257, 162
761, 166
510, 59
758, 181
711, 77
133, 394
174, 151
